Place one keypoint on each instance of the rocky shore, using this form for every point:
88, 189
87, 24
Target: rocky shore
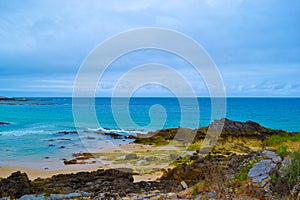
248, 161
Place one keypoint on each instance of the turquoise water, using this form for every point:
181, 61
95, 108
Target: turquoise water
35, 122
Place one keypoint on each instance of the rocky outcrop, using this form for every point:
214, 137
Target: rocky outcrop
81, 158
261, 169
207, 168
267, 179
82, 181
16, 185
100, 183
112, 135
231, 129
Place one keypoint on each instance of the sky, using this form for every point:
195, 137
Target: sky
254, 43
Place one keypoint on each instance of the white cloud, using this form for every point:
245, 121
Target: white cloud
258, 40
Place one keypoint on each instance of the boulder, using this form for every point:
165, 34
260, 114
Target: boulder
263, 167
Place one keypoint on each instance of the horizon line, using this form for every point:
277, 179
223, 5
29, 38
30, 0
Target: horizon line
154, 97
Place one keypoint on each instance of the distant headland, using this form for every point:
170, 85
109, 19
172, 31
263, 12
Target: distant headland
3, 98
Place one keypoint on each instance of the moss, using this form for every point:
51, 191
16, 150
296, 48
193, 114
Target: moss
194, 147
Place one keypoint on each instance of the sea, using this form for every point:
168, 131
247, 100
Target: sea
33, 135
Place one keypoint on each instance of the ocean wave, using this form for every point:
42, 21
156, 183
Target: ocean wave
126, 132
23, 132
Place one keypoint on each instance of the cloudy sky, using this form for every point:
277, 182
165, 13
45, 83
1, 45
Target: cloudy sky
254, 43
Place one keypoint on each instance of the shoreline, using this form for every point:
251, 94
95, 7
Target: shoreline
161, 165
60, 168
6, 171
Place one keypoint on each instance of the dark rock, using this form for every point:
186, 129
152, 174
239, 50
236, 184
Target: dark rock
68, 183
231, 129
131, 137
212, 168
112, 135
59, 139
83, 156
131, 156
15, 186
100, 183
68, 132
70, 162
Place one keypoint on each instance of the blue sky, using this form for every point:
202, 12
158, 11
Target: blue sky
254, 43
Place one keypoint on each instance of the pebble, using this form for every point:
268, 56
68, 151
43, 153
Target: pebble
184, 185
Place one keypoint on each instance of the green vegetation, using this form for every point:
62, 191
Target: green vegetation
282, 151
194, 147
181, 160
144, 170
292, 171
242, 174
276, 140
195, 190
274, 177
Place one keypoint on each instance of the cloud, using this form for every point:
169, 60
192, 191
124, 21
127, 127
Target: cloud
251, 41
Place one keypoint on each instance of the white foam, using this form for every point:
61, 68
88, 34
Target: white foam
106, 130
23, 132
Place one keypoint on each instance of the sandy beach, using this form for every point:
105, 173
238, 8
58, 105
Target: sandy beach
149, 172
